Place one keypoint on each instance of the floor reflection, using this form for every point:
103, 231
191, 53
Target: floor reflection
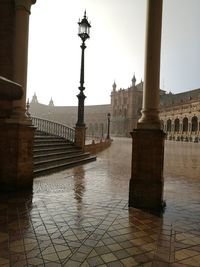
80, 217
79, 183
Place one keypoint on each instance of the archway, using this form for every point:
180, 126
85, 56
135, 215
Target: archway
162, 125
185, 124
169, 125
194, 124
177, 125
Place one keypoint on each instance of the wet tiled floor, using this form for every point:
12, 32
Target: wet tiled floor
80, 217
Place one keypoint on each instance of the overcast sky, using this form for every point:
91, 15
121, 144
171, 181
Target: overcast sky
115, 50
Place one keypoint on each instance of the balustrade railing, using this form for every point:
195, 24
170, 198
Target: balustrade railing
54, 128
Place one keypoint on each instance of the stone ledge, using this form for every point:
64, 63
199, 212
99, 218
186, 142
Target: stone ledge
96, 147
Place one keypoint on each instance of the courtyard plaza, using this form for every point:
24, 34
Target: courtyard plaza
80, 216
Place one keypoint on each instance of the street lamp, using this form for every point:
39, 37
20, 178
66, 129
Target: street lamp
108, 133
84, 34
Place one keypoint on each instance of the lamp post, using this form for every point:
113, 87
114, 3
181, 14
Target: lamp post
108, 132
80, 129
83, 33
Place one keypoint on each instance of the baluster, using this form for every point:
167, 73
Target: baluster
50, 128
55, 128
66, 132
62, 130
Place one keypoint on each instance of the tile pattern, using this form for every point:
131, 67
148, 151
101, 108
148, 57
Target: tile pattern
80, 217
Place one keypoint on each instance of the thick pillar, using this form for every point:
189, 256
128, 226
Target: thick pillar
16, 131
22, 12
16, 142
146, 183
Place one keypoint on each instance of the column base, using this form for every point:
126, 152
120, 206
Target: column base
146, 183
19, 116
80, 133
16, 153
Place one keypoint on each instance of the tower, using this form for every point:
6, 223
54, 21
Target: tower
133, 80
114, 87
34, 99
51, 104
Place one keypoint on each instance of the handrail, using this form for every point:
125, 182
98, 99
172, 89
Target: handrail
54, 128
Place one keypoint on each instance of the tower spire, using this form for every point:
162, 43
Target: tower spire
114, 86
133, 80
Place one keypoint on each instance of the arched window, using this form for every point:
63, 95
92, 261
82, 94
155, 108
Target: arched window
194, 124
162, 124
185, 124
101, 129
90, 129
169, 125
176, 125
96, 127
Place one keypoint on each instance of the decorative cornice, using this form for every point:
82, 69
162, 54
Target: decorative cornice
24, 4
10, 90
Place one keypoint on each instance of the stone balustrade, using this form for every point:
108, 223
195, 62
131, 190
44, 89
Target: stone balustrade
54, 128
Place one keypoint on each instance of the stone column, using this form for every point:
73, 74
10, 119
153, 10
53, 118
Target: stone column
146, 183
151, 94
22, 12
181, 126
16, 131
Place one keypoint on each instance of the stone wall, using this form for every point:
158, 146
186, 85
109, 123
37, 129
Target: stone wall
98, 146
95, 116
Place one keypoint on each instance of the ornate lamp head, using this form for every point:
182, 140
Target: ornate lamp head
84, 28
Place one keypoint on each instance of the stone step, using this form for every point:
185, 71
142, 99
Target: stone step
58, 158
62, 166
39, 140
53, 153
46, 138
49, 154
53, 145
51, 150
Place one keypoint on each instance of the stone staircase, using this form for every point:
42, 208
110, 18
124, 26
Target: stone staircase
53, 153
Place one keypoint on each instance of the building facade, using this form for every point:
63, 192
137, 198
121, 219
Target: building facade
95, 115
180, 116
179, 113
126, 108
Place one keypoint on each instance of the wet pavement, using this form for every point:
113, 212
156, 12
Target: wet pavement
80, 217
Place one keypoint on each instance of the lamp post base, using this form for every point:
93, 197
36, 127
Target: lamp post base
80, 133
